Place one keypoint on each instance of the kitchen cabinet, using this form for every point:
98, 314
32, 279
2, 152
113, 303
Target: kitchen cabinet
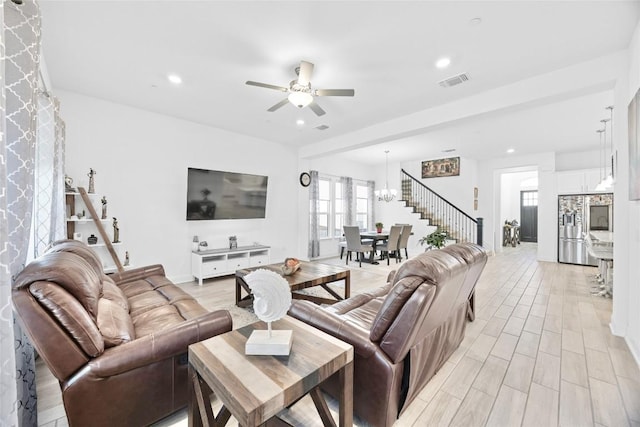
578, 181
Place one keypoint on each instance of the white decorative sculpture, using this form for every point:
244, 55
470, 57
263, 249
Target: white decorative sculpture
271, 301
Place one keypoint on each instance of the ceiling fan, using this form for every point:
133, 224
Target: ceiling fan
300, 92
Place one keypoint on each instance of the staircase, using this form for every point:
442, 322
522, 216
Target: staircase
438, 211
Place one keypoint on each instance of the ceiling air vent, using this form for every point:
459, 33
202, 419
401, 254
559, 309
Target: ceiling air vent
322, 127
454, 80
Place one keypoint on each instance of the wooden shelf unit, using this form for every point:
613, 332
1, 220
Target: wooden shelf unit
70, 200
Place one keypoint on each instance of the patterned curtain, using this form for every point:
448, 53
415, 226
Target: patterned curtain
314, 201
49, 206
347, 199
20, 58
371, 185
58, 209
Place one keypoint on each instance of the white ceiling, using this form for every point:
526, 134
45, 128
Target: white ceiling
122, 51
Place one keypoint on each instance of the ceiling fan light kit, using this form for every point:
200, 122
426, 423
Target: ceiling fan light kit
300, 99
300, 92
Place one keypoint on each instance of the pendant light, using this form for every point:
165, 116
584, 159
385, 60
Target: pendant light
607, 178
608, 181
386, 194
600, 186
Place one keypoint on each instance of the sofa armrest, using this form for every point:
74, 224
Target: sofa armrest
162, 345
137, 274
335, 325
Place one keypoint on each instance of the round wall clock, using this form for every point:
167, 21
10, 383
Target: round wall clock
305, 179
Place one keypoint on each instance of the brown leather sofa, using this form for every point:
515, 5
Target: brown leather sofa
403, 332
117, 344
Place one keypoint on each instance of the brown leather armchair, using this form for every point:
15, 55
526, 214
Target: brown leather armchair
403, 332
117, 344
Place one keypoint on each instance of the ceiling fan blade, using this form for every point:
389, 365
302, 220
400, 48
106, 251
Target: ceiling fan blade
279, 105
316, 109
304, 75
335, 92
274, 87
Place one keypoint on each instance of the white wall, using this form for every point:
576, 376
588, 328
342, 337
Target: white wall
335, 167
625, 320
511, 184
579, 160
141, 159
458, 190
490, 199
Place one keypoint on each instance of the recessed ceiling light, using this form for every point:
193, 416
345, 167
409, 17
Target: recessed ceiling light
443, 62
449, 150
299, 122
175, 79
475, 22
511, 150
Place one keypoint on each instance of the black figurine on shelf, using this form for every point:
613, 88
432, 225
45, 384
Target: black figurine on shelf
104, 207
92, 188
116, 231
126, 259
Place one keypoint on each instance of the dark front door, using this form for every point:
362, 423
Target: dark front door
529, 216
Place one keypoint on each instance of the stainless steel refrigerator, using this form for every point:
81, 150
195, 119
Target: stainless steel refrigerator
575, 214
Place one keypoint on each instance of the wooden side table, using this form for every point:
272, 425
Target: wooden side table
254, 389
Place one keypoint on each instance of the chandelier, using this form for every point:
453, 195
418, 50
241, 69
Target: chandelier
386, 194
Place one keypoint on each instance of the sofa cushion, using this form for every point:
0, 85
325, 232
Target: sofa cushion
135, 287
156, 320
393, 303
114, 323
69, 271
80, 249
71, 315
146, 301
189, 308
112, 292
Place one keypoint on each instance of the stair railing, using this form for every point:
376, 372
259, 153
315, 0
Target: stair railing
440, 212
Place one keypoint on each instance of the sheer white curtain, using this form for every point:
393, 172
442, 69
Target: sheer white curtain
314, 201
347, 199
49, 215
18, 71
371, 204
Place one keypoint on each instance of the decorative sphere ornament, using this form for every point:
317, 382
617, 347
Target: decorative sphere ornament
271, 294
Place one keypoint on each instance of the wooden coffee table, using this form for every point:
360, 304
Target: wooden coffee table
254, 389
310, 274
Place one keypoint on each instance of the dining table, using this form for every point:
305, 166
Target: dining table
375, 236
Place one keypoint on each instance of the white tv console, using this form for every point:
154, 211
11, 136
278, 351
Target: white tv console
223, 262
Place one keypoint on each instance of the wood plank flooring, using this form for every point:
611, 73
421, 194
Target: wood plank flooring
540, 353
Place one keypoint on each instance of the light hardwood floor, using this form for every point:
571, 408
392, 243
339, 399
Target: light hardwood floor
540, 353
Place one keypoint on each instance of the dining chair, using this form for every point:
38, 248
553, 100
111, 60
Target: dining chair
342, 245
352, 235
391, 245
404, 239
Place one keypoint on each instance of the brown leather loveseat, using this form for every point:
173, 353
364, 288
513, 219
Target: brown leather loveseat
117, 344
403, 332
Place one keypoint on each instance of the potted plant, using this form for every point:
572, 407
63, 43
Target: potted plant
436, 239
379, 226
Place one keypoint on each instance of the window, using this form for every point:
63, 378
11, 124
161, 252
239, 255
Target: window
529, 198
362, 205
332, 207
324, 207
339, 210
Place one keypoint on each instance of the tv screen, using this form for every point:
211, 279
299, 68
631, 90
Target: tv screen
225, 195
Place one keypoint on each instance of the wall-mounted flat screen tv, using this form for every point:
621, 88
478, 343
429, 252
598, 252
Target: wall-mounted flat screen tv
225, 195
